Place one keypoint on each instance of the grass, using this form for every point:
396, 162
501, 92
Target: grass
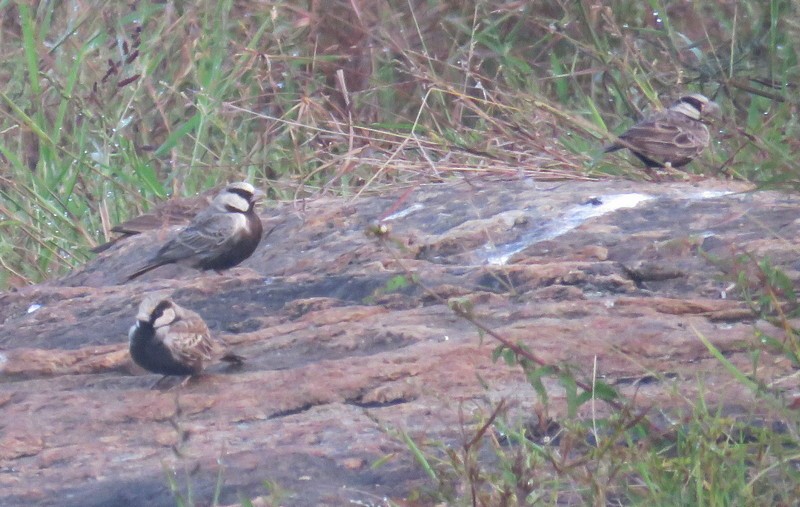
103, 116
109, 108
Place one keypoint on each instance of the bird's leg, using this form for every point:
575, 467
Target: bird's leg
659, 172
158, 383
652, 172
671, 170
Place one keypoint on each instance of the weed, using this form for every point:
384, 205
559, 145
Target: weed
105, 115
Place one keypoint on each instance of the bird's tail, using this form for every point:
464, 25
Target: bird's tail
144, 269
105, 246
234, 359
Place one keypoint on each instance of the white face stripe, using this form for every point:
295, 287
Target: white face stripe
687, 110
242, 185
227, 200
235, 201
687, 107
698, 97
167, 318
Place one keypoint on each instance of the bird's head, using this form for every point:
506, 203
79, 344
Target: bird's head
239, 197
157, 311
696, 106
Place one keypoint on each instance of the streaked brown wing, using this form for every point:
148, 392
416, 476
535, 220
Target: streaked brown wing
193, 350
190, 341
664, 140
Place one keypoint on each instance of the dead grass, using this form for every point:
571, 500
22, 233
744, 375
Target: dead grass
111, 107
106, 114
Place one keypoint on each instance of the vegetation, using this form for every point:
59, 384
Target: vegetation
587, 443
104, 115
108, 108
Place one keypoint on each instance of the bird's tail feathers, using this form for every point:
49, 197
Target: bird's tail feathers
105, 246
144, 269
234, 359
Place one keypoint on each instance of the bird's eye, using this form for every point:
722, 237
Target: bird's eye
694, 103
160, 308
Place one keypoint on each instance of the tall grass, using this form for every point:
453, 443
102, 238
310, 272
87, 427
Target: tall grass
108, 108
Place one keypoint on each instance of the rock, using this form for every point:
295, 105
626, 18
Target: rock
344, 350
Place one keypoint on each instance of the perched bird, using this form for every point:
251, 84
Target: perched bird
670, 138
176, 211
219, 237
172, 340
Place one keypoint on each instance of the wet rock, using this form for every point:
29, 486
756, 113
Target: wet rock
349, 336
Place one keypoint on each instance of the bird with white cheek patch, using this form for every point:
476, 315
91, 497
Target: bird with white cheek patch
171, 340
670, 138
219, 237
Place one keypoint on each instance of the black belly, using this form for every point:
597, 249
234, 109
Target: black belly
242, 248
153, 356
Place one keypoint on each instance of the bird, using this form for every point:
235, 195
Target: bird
175, 211
670, 138
171, 340
219, 237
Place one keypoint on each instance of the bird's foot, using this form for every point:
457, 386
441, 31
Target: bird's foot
166, 383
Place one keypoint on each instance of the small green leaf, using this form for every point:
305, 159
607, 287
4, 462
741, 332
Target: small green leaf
177, 134
605, 392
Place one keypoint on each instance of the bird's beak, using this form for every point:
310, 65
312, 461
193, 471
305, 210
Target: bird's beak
258, 195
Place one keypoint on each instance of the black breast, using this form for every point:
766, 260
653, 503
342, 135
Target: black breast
152, 355
239, 249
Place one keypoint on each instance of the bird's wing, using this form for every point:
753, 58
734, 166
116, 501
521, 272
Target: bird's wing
190, 342
206, 233
172, 212
175, 211
661, 139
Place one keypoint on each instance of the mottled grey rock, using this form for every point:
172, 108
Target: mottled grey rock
339, 354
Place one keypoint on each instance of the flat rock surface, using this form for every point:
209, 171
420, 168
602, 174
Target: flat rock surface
344, 354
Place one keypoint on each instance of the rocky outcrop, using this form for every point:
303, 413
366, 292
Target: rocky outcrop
344, 352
